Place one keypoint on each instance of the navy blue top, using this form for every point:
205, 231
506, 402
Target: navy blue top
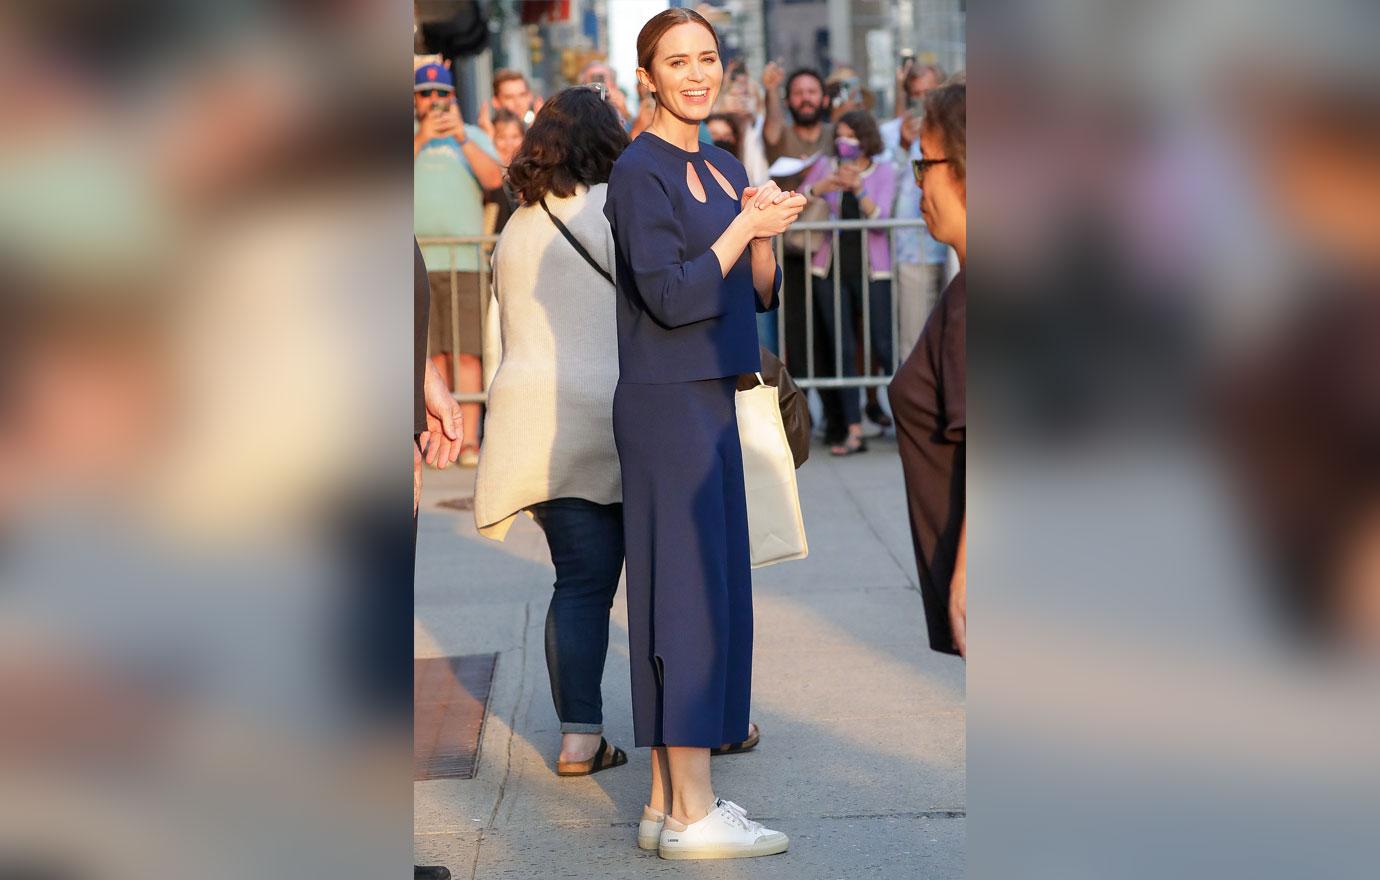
680, 319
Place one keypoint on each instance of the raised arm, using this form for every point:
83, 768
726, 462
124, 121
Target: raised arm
775, 124
899, 92
479, 152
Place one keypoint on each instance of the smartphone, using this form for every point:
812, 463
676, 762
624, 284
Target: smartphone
906, 59
600, 80
440, 105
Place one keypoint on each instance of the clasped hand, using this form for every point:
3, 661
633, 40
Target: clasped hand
845, 178
769, 211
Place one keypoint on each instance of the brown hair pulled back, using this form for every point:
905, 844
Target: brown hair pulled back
657, 26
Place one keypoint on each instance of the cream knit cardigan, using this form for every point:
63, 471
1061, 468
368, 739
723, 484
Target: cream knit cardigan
548, 431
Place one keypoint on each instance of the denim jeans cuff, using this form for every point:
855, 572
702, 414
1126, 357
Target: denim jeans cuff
577, 727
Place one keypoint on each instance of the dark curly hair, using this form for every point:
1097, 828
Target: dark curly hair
865, 130
574, 140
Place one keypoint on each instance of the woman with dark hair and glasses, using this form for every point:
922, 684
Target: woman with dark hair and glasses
548, 436
929, 391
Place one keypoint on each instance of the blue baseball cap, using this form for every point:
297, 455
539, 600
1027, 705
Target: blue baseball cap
433, 76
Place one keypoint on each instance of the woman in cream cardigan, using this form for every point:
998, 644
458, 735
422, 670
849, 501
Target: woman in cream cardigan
548, 435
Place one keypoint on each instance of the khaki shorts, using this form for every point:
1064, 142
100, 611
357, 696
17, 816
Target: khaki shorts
917, 288
445, 309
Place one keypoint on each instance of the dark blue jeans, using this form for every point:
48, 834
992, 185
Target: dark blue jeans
879, 321
586, 541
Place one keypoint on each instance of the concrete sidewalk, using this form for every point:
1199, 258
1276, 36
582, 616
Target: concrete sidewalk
862, 754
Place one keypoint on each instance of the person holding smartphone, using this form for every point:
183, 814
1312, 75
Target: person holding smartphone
453, 165
920, 261
912, 82
599, 74
855, 186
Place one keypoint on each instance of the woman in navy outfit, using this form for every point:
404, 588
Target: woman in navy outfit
694, 266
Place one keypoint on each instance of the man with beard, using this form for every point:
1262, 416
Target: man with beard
809, 134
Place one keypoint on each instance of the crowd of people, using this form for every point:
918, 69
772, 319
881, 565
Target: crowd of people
637, 258
823, 135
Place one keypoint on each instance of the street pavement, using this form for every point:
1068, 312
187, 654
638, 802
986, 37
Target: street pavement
863, 727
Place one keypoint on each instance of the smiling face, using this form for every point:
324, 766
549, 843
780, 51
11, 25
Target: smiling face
686, 73
806, 99
514, 96
507, 141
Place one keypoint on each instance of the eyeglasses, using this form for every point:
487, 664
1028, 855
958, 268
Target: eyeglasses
598, 88
435, 93
920, 166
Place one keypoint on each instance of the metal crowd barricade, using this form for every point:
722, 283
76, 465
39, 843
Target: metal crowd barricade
482, 246
807, 377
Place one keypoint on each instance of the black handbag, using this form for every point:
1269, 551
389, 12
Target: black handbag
795, 408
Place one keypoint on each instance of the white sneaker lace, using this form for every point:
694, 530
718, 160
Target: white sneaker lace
739, 816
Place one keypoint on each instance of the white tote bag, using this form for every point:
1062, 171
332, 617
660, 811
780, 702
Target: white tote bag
776, 529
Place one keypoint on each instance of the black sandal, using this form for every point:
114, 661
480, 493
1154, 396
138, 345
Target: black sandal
746, 745
852, 446
603, 759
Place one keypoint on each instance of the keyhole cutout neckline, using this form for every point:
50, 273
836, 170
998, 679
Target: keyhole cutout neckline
696, 186
692, 178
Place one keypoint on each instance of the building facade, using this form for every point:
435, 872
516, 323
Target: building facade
551, 40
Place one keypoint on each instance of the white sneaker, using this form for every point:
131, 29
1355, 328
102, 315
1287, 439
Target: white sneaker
649, 829
725, 833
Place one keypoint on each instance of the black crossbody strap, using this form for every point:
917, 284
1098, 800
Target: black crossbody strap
574, 243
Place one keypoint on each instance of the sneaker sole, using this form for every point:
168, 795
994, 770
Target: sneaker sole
649, 841
769, 847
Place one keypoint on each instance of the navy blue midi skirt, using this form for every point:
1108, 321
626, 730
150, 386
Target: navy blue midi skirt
689, 568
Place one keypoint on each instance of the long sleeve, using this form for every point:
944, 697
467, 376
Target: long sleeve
421, 305
775, 294
677, 288
884, 193
954, 361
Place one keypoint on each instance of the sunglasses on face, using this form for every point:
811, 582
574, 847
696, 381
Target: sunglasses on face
435, 93
920, 166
